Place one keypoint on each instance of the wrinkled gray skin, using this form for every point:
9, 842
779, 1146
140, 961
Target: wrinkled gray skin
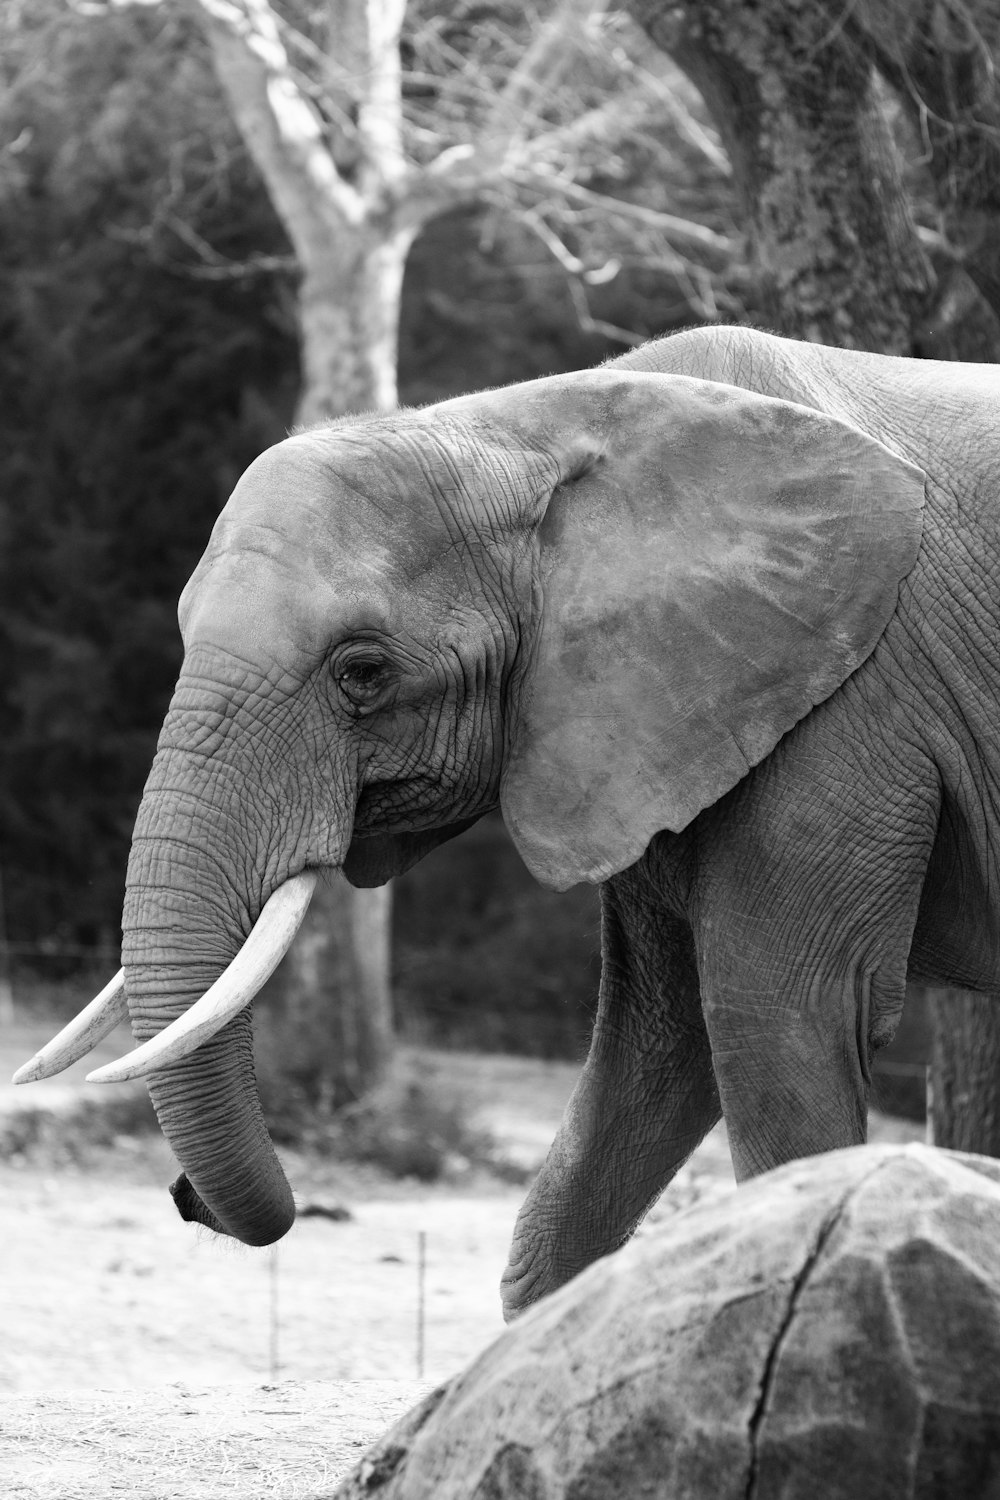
731, 658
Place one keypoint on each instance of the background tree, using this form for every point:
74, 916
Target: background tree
941, 58
831, 240
800, 98
544, 116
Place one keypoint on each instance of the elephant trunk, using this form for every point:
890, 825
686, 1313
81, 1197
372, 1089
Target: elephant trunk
185, 919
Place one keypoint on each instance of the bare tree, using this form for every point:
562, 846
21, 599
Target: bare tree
358, 155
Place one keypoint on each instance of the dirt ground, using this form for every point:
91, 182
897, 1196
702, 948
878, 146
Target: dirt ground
144, 1357
115, 1291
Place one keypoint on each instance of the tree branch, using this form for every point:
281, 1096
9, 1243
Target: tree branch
546, 60
281, 127
550, 185
380, 116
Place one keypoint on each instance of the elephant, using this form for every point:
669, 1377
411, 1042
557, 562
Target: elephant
715, 625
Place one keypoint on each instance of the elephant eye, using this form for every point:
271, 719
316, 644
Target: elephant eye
362, 680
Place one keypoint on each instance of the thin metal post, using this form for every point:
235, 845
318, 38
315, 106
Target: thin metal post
421, 1298
7, 1012
272, 1262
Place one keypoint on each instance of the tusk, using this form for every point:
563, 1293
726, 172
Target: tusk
106, 1011
232, 991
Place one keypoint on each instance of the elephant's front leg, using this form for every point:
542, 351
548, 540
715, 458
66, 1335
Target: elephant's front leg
644, 1101
805, 910
792, 1077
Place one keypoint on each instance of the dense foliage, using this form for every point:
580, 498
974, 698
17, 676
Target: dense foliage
133, 393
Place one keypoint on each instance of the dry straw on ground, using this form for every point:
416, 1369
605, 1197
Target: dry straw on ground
286, 1442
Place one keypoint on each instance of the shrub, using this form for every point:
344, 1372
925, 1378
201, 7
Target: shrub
71, 1137
407, 1128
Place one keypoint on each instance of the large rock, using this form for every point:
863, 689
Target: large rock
829, 1332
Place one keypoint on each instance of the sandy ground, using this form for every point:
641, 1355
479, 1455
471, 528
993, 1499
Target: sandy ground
141, 1356
105, 1287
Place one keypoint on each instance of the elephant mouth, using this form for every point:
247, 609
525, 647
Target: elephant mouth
405, 806
374, 858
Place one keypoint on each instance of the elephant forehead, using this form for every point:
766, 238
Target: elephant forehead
264, 587
243, 604
357, 500
322, 536
291, 509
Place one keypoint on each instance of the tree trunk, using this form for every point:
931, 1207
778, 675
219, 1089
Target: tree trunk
349, 312
837, 259
326, 1022
942, 61
964, 1105
833, 247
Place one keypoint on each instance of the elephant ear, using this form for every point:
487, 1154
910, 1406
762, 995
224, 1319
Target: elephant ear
722, 567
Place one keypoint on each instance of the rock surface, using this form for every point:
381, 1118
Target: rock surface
831, 1332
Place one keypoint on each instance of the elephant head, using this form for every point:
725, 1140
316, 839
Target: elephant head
595, 600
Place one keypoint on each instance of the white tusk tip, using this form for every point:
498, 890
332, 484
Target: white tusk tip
116, 1072
79, 1036
31, 1071
230, 994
